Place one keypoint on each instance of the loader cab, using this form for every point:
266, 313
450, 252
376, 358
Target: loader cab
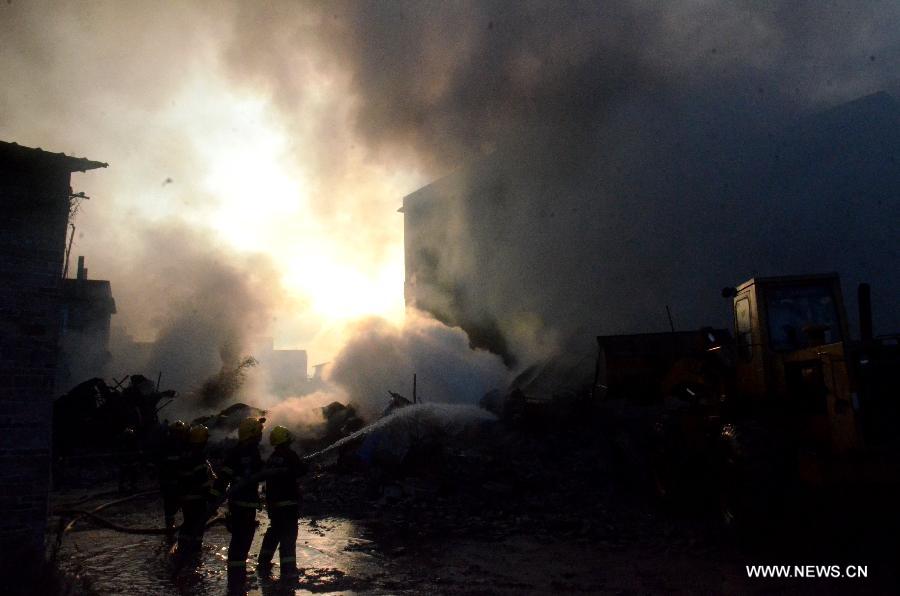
790, 337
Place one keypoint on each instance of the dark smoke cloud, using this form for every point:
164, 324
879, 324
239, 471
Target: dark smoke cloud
207, 305
668, 214
635, 150
614, 130
449, 78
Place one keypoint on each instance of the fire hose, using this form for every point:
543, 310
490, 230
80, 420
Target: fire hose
81, 514
86, 498
126, 530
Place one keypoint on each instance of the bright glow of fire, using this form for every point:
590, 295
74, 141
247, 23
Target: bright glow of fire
260, 202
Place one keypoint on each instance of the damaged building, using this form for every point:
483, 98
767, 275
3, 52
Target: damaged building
35, 195
88, 306
646, 219
286, 370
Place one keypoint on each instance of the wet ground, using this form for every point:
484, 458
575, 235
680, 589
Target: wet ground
416, 546
556, 516
340, 555
333, 553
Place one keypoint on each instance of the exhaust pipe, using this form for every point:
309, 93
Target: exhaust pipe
864, 298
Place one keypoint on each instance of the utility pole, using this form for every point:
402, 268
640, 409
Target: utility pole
69, 251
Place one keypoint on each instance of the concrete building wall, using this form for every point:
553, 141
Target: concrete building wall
87, 306
34, 204
34, 212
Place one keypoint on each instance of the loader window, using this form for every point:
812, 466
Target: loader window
742, 328
802, 317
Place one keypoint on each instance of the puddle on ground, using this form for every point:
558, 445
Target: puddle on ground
334, 553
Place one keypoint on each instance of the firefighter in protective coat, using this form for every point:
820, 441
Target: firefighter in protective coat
196, 482
239, 479
169, 466
283, 468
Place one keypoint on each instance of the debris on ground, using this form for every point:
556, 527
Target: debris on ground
226, 421
94, 414
451, 499
340, 420
397, 402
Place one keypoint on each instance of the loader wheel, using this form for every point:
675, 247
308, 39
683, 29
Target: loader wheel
680, 465
753, 478
661, 466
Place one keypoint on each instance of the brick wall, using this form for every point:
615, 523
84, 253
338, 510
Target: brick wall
34, 209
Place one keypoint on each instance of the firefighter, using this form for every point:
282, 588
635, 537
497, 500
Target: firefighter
169, 466
196, 482
240, 475
129, 459
282, 470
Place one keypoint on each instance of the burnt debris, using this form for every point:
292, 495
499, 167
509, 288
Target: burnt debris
94, 414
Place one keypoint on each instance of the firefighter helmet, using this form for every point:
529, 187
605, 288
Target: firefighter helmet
249, 428
179, 429
279, 436
199, 434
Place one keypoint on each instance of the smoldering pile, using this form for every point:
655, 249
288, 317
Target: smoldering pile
408, 435
443, 470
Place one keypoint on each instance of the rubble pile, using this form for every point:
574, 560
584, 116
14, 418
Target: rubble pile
494, 483
407, 438
427, 494
339, 421
94, 415
226, 421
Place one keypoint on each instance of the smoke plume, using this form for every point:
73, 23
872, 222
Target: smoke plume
207, 305
618, 157
381, 358
610, 159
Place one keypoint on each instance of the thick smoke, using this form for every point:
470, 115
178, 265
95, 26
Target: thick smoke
380, 358
623, 156
205, 305
449, 79
620, 157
